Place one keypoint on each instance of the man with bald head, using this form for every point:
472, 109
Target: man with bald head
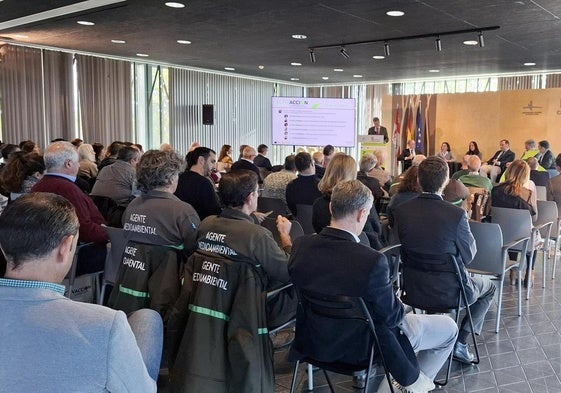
473, 178
464, 168
246, 162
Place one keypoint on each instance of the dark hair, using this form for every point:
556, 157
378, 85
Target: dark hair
447, 146
138, 146
8, 149
113, 149
302, 161
289, 163
193, 156
19, 168
433, 173
558, 160
77, 142
410, 182
34, 225
328, 150
127, 153
234, 187
98, 148
261, 148
475, 150
157, 168
544, 144
27, 146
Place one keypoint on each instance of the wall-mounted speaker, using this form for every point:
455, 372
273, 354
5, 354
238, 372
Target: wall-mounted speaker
208, 114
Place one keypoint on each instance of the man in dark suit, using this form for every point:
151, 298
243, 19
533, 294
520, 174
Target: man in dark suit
260, 160
498, 163
321, 263
377, 129
429, 225
246, 162
545, 158
408, 154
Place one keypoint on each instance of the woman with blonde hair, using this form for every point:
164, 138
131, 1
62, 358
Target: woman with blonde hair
342, 167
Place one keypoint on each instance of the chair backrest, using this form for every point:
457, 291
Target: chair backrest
479, 203
547, 212
277, 206
110, 210
271, 224
393, 255
515, 223
304, 217
489, 241
431, 282
115, 250
541, 193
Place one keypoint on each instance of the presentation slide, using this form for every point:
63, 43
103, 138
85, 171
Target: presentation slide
314, 121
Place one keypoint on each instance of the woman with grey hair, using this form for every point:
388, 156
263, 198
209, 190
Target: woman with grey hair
157, 216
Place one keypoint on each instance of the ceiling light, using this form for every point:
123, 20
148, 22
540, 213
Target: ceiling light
174, 4
357, 76
184, 42
338, 70
118, 41
299, 36
434, 70
386, 48
438, 44
312, 56
529, 64
85, 23
470, 42
229, 68
142, 55
480, 39
395, 13
294, 79
325, 78
261, 67
296, 64
378, 57
344, 53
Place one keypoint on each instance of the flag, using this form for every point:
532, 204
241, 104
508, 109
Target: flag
396, 136
409, 123
419, 133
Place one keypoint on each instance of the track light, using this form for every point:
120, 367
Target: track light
386, 48
344, 53
312, 56
480, 39
438, 44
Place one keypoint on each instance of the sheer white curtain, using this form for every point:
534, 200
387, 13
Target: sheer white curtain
104, 87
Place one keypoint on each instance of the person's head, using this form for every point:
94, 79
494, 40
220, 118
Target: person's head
445, 146
379, 154
262, 149
433, 174
249, 153
473, 148
21, 167
113, 149
226, 150
410, 182
202, 160
350, 205
368, 162
38, 235
341, 168
465, 161
328, 150
418, 159
304, 164
289, 163
504, 145
411, 144
533, 163
62, 157
139, 147
239, 188
98, 149
86, 152
29, 147
455, 192
530, 144
558, 161
543, 146
318, 158
129, 154
8, 150
241, 149
158, 170
193, 146
517, 174
77, 142
376, 122
474, 163
166, 147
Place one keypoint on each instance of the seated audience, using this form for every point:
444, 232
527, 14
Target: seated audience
110, 154
304, 189
118, 180
318, 163
446, 153
464, 168
498, 163
456, 193
246, 162
22, 173
540, 178
225, 160
261, 161
274, 185
98, 149
29, 147
473, 178
88, 168
51, 343
321, 264
7, 151
554, 185
379, 172
516, 192
445, 229
473, 149
408, 188
414, 162
367, 165
194, 185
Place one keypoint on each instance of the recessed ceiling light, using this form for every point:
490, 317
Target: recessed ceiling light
142, 55
261, 67
229, 68
20, 36
395, 13
184, 42
296, 64
118, 41
338, 69
85, 23
529, 64
434, 70
378, 57
299, 36
470, 42
294, 79
357, 76
325, 78
174, 4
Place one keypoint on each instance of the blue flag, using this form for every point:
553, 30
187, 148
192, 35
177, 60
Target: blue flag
419, 133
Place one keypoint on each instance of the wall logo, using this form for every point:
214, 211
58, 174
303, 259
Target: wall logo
531, 109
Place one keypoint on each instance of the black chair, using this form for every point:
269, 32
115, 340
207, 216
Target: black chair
110, 210
393, 255
435, 284
115, 250
304, 217
336, 308
70, 279
274, 205
271, 224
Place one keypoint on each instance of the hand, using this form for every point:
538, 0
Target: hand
261, 216
283, 225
